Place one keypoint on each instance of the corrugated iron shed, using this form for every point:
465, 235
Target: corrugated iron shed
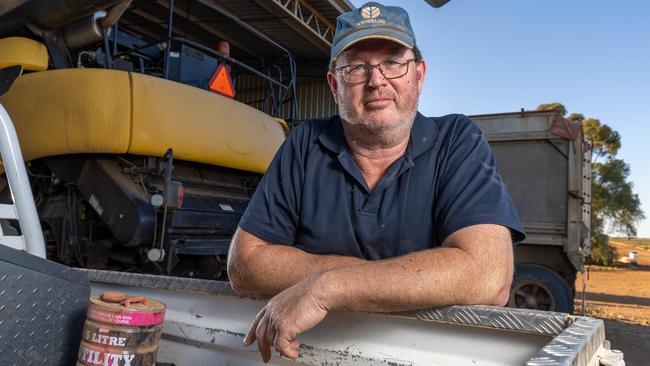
303, 27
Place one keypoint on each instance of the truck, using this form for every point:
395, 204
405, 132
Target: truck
546, 165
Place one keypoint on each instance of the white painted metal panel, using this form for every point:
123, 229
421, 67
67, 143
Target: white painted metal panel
217, 325
16, 242
8, 212
205, 325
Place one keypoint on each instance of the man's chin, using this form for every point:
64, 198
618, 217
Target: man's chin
377, 120
382, 120
378, 127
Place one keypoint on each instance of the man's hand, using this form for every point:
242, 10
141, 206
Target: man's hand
286, 315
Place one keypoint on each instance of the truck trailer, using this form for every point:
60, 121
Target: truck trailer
546, 164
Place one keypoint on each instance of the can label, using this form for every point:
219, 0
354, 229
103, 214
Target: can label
108, 340
98, 356
121, 336
125, 317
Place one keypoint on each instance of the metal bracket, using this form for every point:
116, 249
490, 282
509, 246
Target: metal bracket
25, 208
55, 46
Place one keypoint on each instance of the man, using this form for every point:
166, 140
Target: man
380, 209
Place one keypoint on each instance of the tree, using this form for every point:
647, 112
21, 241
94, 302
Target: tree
604, 141
553, 107
613, 199
614, 205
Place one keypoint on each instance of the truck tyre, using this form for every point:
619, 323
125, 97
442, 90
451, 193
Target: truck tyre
537, 287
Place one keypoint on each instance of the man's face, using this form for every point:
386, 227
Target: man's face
379, 105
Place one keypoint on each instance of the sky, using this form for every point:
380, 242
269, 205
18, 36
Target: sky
493, 56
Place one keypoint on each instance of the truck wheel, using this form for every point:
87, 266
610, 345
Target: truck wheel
537, 287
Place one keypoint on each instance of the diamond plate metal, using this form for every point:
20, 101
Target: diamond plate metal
181, 284
41, 315
576, 345
530, 321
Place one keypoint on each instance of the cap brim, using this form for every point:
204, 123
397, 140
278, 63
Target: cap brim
373, 33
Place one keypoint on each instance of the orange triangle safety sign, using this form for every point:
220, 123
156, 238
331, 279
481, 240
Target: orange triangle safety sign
221, 82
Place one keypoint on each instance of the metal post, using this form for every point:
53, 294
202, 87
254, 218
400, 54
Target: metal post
168, 48
21, 190
107, 49
115, 30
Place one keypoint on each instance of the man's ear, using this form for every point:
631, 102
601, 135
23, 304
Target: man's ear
331, 81
421, 70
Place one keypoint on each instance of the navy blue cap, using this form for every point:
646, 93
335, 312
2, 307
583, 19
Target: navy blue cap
371, 21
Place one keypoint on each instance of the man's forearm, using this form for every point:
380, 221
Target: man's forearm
426, 279
269, 269
404, 283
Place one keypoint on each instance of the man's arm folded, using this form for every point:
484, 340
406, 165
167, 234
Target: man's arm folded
473, 266
257, 267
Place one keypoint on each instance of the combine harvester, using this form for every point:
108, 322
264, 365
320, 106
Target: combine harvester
139, 159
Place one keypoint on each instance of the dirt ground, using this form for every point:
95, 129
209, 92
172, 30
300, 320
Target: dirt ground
621, 296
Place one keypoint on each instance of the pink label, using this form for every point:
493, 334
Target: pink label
125, 318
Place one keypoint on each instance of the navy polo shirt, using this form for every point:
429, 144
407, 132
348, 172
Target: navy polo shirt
314, 197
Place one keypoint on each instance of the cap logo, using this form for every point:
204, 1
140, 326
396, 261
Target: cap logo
370, 12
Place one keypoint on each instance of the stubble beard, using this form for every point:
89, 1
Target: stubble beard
372, 133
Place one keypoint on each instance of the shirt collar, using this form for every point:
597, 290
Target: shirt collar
424, 134
332, 136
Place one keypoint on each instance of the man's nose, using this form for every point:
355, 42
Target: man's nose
376, 77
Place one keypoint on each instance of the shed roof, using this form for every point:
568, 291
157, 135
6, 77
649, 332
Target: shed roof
304, 28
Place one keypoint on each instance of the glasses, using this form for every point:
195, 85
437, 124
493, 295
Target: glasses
390, 69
